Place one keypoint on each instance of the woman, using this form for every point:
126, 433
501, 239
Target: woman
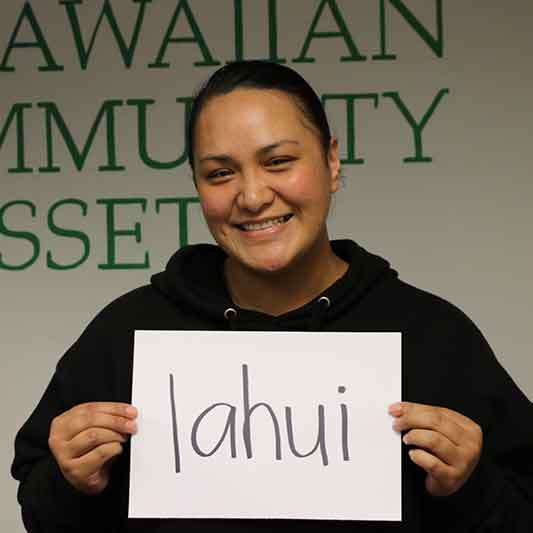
265, 166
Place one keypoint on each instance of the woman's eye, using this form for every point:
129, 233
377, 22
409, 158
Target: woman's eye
278, 161
220, 173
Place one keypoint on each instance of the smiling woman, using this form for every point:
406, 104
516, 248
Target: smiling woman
265, 166
266, 198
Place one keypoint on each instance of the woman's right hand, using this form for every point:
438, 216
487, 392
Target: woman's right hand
85, 439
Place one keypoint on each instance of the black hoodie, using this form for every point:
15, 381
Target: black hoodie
446, 362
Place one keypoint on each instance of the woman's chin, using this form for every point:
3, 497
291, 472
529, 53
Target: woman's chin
269, 268
267, 265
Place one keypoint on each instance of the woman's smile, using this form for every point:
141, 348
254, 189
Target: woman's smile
264, 226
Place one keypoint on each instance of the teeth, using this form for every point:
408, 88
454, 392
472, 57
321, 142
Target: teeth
263, 225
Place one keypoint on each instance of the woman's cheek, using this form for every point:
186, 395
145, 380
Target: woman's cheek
215, 209
304, 187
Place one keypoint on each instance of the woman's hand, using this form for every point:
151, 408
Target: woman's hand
447, 445
86, 438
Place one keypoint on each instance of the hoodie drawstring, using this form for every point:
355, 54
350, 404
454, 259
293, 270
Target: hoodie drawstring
319, 312
320, 309
230, 314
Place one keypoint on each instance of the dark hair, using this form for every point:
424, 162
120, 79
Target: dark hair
257, 74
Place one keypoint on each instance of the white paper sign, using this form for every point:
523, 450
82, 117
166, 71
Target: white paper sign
266, 425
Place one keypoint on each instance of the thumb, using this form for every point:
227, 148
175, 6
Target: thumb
434, 487
98, 481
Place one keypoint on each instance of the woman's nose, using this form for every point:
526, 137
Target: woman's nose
255, 193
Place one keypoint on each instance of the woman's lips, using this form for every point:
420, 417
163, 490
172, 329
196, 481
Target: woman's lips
266, 224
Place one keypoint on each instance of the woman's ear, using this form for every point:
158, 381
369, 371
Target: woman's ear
334, 165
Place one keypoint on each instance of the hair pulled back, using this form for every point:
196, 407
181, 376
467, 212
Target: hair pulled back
256, 74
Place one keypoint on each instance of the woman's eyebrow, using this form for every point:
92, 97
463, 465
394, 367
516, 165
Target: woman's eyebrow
222, 158
225, 158
265, 149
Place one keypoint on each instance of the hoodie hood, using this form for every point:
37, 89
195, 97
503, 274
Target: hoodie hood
194, 281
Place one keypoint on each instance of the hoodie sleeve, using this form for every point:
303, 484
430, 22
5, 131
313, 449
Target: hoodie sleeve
48, 502
498, 497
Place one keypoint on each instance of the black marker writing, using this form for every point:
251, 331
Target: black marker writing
229, 430
246, 433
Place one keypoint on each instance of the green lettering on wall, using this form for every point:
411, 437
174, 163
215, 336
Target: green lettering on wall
40, 42
183, 220
417, 127
272, 32
197, 38
113, 233
67, 233
342, 32
84, 53
142, 136
15, 234
436, 44
16, 113
351, 134
79, 156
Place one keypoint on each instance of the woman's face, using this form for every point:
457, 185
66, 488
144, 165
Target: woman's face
263, 181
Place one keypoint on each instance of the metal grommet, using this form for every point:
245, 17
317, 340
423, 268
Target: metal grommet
326, 300
230, 313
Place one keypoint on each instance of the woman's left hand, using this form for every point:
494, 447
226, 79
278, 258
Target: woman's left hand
447, 445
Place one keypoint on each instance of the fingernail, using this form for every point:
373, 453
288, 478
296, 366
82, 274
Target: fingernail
131, 411
395, 409
131, 426
396, 425
406, 439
